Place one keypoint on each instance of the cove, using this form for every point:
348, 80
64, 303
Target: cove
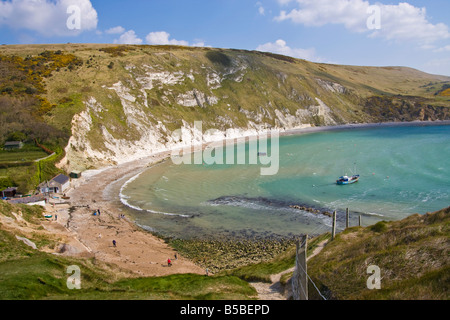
404, 170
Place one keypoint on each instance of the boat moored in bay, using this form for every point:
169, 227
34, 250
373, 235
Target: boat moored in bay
347, 180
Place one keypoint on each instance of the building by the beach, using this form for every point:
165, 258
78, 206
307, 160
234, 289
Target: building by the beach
58, 184
31, 201
12, 145
9, 192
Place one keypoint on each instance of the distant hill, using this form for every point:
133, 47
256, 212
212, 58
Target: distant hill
99, 104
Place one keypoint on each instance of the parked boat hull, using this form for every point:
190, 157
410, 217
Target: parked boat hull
351, 180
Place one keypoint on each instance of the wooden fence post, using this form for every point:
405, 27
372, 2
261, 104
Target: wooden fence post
300, 276
347, 223
304, 268
333, 230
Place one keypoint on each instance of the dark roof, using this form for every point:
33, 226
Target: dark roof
61, 179
12, 143
26, 200
10, 189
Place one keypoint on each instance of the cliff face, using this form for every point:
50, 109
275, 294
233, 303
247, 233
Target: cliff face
125, 102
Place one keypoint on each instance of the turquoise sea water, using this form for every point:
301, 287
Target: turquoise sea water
404, 170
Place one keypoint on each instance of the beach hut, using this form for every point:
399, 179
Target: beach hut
75, 174
9, 192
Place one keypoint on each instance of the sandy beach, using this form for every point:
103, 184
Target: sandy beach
136, 250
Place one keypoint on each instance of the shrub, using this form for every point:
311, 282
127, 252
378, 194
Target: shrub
379, 227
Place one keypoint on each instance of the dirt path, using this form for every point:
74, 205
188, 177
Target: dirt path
275, 290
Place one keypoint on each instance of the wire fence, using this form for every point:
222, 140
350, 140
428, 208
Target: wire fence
301, 278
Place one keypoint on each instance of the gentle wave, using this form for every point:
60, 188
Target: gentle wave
260, 203
123, 198
374, 214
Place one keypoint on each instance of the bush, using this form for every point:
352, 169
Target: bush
379, 227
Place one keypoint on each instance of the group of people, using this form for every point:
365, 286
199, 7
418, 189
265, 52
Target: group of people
169, 262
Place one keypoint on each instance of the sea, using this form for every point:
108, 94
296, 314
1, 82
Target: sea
403, 171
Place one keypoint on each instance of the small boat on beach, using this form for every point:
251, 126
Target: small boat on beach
347, 180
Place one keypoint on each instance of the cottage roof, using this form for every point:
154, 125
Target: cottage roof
9, 189
12, 143
55, 182
26, 200
61, 179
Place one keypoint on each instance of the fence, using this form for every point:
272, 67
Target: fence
300, 278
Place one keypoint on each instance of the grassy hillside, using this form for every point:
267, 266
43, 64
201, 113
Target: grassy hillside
35, 274
412, 254
116, 101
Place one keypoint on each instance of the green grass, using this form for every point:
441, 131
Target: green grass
270, 82
28, 274
284, 261
412, 255
43, 276
12, 156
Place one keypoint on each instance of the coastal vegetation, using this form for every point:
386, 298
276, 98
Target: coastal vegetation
104, 95
78, 107
412, 254
34, 274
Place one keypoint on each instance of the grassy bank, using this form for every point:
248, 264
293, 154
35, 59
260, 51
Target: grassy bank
412, 254
229, 254
285, 260
30, 274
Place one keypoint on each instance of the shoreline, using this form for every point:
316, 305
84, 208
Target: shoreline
365, 126
139, 250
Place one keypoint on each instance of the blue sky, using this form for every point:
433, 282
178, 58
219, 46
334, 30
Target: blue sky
413, 33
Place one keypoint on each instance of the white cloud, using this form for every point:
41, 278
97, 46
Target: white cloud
283, 2
280, 46
261, 9
47, 17
198, 44
443, 49
162, 38
129, 37
402, 22
438, 66
115, 30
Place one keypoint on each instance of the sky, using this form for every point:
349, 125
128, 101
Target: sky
411, 33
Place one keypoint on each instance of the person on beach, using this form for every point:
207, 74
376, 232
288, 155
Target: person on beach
169, 263
114, 243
